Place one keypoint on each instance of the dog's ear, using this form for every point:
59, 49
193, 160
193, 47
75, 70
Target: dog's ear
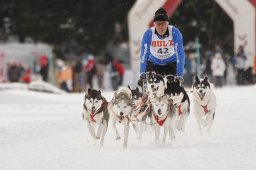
129, 87
114, 98
206, 79
99, 92
177, 80
137, 89
89, 90
197, 78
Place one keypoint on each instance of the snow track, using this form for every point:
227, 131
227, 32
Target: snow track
46, 131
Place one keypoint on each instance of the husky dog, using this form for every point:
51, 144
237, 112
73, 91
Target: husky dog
141, 110
163, 116
120, 108
155, 84
204, 101
180, 100
95, 113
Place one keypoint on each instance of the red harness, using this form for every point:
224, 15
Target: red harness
122, 117
179, 110
160, 122
92, 117
104, 104
205, 109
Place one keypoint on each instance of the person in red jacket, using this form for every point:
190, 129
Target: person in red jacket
116, 73
120, 70
90, 69
26, 78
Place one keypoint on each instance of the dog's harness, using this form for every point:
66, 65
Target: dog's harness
122, 118
160, 122
144, 101
103, 106
179, 110
205, 109
92, 118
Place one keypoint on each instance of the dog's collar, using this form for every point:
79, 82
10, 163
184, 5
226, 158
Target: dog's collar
160, 122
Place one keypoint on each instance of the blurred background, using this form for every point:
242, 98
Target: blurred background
76, 44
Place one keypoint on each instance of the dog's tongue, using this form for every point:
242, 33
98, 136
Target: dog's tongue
155, 89
92, 112
202, 95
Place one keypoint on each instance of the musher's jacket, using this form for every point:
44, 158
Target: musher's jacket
162, 50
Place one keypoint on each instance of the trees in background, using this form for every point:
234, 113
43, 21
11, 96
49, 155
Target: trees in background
75, 26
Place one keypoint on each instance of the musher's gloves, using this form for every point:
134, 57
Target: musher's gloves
181, 79
143, 76
141, 79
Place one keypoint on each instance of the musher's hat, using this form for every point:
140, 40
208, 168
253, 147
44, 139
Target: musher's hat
161, 15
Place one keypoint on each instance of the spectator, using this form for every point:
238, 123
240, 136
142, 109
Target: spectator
120, 70
100, 75
26, 77
65, 78
218, 68
231, 77
249, 75
90, 69
44, 67
78, 68
208, 70
188, 72
14, 72
239, 61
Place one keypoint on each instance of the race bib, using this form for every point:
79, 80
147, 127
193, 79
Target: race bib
162, 49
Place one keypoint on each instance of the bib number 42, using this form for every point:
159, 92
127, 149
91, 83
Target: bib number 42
162, 51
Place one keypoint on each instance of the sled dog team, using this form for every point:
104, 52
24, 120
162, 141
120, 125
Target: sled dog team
165, 105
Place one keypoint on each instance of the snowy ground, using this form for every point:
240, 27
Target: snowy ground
46, 131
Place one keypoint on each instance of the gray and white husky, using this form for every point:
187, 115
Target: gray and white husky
142, 110
204, 101
163, 116
95, 113
120, 109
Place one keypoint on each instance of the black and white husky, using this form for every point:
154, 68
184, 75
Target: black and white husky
95, 113
180, 100
204, 101
155, 84
120, 109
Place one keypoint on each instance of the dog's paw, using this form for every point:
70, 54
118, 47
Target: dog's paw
97, 137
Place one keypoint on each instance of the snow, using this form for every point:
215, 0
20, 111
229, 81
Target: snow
46, 131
